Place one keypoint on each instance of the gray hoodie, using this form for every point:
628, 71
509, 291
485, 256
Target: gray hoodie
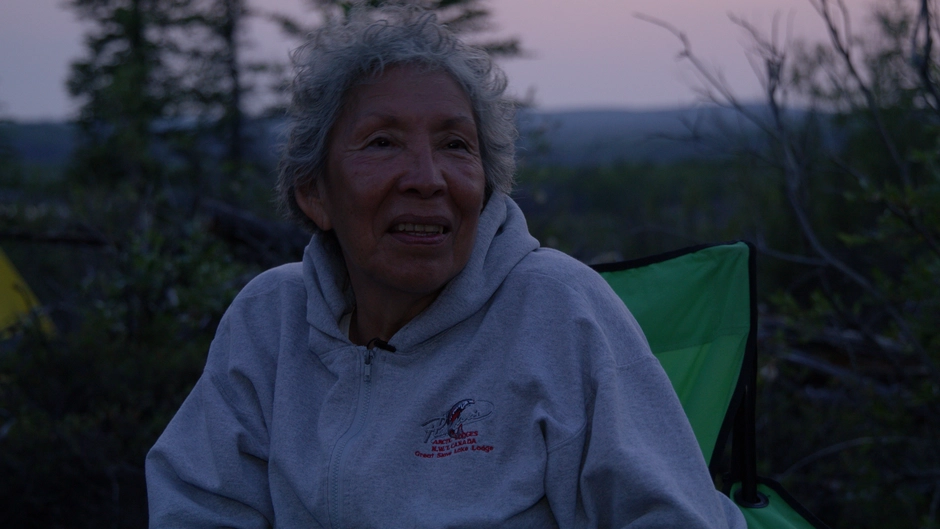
524, 396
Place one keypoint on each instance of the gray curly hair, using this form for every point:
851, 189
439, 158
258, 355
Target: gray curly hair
342, 54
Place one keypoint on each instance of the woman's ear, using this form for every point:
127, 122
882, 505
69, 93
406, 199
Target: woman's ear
311, 200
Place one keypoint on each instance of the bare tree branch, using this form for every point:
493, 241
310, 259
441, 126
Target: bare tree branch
779, 132
843, 46
922, 55
788, 257
76, 239
836, 448
716, 89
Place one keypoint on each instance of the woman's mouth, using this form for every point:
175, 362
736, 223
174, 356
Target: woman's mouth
419, 229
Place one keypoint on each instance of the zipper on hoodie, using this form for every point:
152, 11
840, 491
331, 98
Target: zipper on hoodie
339, 452
367, 369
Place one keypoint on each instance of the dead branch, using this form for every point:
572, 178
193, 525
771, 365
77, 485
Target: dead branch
779, 131
269, 243
716, 89
842, 44
922, 55
836, 448
788, 257
68, 238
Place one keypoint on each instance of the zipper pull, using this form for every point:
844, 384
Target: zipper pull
367, 373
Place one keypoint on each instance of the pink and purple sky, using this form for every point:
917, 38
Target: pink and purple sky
582, 53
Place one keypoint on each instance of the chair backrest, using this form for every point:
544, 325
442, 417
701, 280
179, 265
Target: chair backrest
697, 309
694, 306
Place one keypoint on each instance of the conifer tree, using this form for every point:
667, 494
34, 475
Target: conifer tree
466, 17
123, 86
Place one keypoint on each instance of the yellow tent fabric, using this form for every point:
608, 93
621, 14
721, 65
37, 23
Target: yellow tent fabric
17, 301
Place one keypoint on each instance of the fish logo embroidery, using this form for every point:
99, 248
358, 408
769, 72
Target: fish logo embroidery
451, 423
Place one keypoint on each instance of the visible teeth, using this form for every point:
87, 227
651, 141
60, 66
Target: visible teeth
420, 228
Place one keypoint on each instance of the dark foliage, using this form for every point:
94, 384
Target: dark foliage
162, 213
136, 238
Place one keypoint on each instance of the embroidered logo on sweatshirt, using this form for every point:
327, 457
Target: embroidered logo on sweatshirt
446, 434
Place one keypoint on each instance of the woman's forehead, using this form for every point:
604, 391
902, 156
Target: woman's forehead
400, 91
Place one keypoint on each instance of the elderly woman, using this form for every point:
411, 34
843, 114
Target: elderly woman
427, 364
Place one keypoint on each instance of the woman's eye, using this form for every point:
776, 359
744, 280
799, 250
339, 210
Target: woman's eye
457, 144
380, 142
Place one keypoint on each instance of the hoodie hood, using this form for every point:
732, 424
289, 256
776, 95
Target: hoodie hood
502, 241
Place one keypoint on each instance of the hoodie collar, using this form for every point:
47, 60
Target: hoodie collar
502, 241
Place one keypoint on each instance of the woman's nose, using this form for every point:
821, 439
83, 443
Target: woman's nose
424, 175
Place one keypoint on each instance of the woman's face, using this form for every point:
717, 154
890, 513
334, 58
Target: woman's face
404, 184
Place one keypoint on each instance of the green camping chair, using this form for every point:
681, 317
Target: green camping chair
697, 307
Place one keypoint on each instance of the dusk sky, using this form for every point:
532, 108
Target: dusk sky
582, 53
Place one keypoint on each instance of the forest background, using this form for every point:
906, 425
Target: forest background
138, 223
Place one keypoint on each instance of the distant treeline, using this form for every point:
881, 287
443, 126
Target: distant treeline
570, 138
